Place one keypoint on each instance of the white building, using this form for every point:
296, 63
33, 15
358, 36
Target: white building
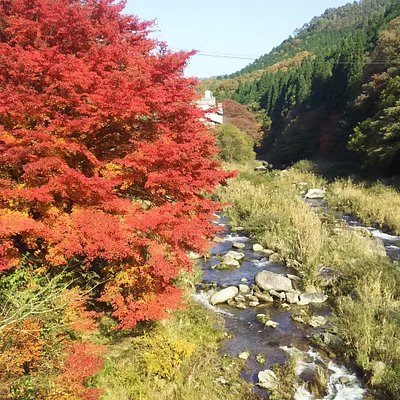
209, 102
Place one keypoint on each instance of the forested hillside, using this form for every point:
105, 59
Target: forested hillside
331, 90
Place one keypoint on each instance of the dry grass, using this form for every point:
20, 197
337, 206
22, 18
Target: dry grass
367, 304
376, 205
177, 359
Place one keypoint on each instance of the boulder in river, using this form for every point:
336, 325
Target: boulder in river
222, 296
268, 280
272, 324
279, 295
267, 379
264, 297
292, 297
257, 247
275, 258
244, 355
234, 255
244, 289
238, 245
315, 194
315, 297
317, 320
377, 247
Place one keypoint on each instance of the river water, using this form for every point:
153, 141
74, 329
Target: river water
276, 345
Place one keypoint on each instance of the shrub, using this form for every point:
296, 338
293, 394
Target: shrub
235, 145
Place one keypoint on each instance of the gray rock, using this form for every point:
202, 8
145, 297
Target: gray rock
241, 306
254, 304
224, 295
275, 258
257, 247
234, 255
377, 246
344, 380
267, 379
272, 324
238, 245
315, 194
240, 299
294, 277
244, 289
218, 240
293, 297
244, 355
279, 295
268, 280
307, 298
262, 318
244, 280
251, 297
264, 297
268, 252
317, 321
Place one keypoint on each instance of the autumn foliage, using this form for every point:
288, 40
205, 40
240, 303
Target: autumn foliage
238, 115
103, 159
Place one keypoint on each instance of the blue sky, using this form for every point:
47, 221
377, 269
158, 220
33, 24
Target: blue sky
239, 27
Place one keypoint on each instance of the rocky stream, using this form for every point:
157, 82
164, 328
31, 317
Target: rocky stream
269, 317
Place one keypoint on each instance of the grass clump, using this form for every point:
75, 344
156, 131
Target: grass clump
174, 359
377, 205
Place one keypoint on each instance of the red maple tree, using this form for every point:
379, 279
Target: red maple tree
103, 157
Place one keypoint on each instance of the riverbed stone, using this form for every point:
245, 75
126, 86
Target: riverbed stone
268, 252
272, 324
222, 296
267, 379
264, 297
257, 247
244, 355
262, 318
377, 246
275, 258
251, 297
218, 239
344, 380
241, 306
253, 304
314, 297
268, 280
317, 320
315, 194
244, 280
244, 289
238, 245
240, 298
293, 297
234, 255
279, 295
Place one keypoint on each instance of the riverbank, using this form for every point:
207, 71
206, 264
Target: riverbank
175, 359
348, 265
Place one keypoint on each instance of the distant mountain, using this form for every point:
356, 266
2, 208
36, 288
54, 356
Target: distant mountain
319, 86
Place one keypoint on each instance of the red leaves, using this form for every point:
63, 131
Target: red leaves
103, 157
83, 361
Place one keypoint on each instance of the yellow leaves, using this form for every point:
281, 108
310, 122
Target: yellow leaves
166, 355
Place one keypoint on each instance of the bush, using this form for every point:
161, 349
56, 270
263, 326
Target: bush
235, 145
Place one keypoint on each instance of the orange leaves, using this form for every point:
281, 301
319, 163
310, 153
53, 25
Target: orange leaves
83, 361
103, 157
20, 350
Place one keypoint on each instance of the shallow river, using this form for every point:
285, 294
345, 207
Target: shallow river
290, 337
